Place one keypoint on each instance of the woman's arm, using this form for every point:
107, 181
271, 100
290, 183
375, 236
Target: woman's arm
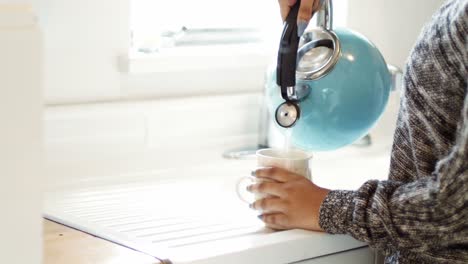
424, 215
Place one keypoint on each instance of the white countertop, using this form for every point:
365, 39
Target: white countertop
145, 210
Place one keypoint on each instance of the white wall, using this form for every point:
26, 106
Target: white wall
392, 25
83, 40
20, 136
84, 43
105, 140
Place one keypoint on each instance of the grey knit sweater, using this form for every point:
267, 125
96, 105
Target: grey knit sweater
420, 214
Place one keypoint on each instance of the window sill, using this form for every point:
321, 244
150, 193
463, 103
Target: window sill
198, 59
196, 70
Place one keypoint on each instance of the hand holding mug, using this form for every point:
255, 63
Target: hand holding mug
282, 189
293, 201
295, 161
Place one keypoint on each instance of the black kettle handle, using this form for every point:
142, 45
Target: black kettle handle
287, 54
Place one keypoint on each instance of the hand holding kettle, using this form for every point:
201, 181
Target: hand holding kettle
330, 85
306, 12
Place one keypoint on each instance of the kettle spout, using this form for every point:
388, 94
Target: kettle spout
287, 114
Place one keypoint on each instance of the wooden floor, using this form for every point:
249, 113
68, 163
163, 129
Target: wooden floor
64, 245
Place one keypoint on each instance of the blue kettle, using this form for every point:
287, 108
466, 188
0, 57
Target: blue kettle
330, 86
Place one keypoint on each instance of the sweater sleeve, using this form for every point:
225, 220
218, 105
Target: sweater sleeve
418, 216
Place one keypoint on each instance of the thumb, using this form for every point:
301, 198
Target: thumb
285, 7
306, 11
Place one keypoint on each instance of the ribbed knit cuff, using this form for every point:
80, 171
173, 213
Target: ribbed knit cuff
335, 211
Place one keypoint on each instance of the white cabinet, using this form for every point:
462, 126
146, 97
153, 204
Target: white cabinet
20, 136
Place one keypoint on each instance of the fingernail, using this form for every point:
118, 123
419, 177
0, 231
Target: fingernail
301, 27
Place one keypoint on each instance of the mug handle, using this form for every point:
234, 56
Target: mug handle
242, 184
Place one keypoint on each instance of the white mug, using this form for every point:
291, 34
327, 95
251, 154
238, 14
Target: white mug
294, 160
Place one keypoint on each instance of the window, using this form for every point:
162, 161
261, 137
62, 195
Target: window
196, 37
157, 25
